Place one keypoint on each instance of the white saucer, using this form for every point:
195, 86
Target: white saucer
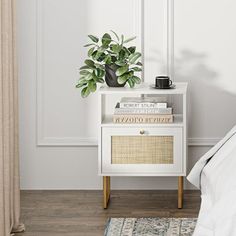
171, 86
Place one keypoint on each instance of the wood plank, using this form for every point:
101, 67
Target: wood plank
79, 213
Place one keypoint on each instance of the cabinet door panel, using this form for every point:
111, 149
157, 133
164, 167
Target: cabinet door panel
142, 149
156, 151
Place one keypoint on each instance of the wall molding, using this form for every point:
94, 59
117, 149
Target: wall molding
42, 139
67, 142
201, 142
73, 142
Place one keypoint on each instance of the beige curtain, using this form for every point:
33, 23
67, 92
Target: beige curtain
9, 163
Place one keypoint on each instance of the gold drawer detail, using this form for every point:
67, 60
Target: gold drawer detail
142, 149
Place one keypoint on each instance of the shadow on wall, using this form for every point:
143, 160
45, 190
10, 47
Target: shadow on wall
194, 64
211, 107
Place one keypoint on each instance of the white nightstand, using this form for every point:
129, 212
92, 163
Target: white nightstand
148, 139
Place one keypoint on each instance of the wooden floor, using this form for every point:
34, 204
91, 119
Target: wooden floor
75, 213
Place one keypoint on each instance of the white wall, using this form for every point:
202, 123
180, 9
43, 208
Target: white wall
53, 117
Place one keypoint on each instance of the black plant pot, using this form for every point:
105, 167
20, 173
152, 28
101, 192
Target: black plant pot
111, 77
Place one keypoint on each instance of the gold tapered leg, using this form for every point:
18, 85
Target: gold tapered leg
106, 190
180, 191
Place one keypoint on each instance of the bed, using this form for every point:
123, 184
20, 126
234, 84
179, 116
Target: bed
215, 175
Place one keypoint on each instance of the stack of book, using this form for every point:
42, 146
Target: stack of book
143, 110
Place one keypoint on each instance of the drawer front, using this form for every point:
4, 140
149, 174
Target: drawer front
142, 149
147, 151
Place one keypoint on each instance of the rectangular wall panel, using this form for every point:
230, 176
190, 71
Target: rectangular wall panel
63, 117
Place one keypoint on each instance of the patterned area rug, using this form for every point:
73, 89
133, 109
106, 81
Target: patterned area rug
150, 226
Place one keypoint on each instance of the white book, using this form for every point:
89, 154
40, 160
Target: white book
143, 99
164, 111
143, 105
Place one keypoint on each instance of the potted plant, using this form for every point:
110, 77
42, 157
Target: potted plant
110, 59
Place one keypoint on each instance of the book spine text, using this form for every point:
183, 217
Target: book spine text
143, 105
143, 118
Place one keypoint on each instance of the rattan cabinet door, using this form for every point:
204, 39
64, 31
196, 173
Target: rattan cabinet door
137, 151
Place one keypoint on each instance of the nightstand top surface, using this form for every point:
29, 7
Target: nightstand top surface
145, 88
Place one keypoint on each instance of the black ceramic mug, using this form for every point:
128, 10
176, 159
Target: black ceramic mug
163, 81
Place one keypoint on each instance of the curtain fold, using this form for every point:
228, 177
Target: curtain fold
9, 149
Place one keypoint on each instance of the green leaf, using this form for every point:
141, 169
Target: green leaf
90, 44
122, 39
120, 63
139, 63
84, 67
102, 49
107, 59
99, 73
130, 39
89, 63
85, 92
81, 83
113, 59
84, 72
94, 54
89, 76
110, 52
127, 52
117, 37
122, 70
132, 49
90, 51
93, 38
106, 39
101, 57
116, 48
97, 55
136, 79
99, 80
131, 73
122, 54
131, 83
122, 79
134, 57
92, 86
97, 65
136, 69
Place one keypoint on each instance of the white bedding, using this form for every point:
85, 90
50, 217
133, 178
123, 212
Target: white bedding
217, 180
